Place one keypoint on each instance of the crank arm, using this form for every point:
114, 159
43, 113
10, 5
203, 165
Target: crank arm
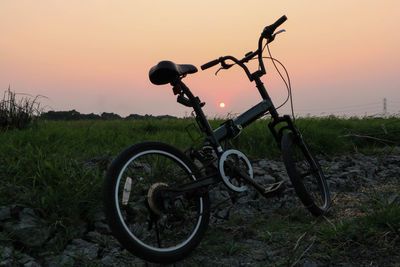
270, 191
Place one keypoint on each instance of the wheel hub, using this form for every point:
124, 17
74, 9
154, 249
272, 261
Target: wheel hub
154, 198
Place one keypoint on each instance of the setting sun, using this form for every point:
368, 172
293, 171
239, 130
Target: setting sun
222, 105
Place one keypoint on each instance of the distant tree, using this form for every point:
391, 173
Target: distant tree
134, 117
75, 115
90, 116
61, 115
110, 116
166, 117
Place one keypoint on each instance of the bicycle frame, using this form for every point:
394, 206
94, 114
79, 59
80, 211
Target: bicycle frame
227, 131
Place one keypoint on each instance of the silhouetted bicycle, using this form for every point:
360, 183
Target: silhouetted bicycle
157, 199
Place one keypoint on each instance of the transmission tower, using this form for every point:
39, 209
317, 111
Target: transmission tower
384, 107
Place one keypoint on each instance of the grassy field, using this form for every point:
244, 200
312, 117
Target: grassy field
49, 167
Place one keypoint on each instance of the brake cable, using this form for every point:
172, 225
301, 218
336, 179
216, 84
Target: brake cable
286, 82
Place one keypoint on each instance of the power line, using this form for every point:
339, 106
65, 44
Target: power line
376, 106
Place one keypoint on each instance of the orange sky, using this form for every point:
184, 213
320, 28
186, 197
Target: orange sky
94, 56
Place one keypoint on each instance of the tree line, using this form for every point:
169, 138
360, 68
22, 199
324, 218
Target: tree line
75, 115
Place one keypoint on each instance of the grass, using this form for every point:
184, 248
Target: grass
218, 244
350, 238
17, 113
45, 167
376, 233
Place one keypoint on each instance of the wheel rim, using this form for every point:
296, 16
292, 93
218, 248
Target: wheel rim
181, 217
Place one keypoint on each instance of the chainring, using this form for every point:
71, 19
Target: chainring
238, 159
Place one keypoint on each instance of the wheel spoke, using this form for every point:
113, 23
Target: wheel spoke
158, 235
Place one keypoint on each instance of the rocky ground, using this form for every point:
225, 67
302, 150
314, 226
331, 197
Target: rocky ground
351, 177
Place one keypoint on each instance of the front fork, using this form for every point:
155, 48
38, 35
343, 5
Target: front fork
278, 133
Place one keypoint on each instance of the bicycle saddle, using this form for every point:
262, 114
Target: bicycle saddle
167, 71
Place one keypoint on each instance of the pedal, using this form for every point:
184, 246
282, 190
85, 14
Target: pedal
274, 189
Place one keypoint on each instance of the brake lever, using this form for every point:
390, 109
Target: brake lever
224, 66
273, 36
221, 68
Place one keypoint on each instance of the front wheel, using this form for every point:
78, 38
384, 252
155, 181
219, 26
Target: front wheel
146, 218
306, 174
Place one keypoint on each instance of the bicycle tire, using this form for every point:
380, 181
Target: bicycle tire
305, 174
131, 212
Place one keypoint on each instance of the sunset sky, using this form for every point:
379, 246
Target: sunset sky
343, 56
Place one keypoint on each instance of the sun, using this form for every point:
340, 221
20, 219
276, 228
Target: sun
222, 105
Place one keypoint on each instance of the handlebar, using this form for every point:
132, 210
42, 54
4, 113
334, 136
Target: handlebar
268, 33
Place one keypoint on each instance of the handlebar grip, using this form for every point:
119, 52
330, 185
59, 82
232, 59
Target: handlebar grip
210, 64
279, 21
269, 30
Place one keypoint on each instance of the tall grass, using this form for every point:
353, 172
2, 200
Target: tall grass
17, 113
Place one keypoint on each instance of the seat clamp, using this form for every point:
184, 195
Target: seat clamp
177, 89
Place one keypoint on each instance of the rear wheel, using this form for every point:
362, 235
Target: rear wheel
147, 219
306, 174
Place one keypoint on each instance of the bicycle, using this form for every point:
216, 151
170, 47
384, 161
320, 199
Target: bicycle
156, 197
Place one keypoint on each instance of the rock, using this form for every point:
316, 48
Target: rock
11, 257
94, 237
27, 261
334, 167
259, 254
218, 195
8, 263
98, 162
32, 264
5, 213
81, 248
257, 171
60, 260
284, 176
28, 217
108, 260
30, 230
309, 263
270, 165
102, 227
265, 179
370, 172
117, 257
6, 251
